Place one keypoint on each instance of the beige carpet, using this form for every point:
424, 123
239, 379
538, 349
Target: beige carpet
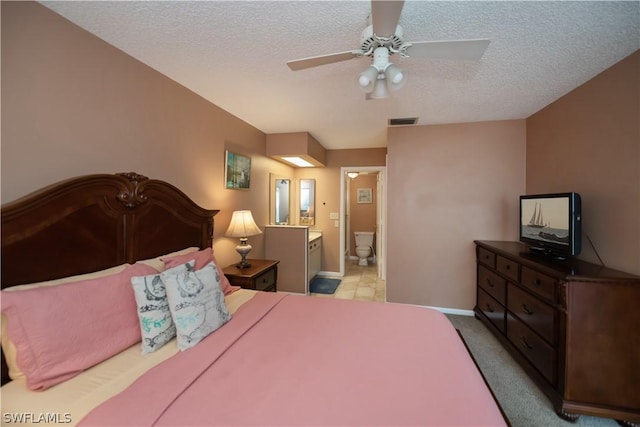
522, 401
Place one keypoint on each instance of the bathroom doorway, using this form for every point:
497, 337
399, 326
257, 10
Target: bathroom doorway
372, 192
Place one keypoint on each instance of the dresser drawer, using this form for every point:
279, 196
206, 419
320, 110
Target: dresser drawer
265, 281
539, 283
487, 257
508, 268
539, 353
492, 284
492, 309
536, 314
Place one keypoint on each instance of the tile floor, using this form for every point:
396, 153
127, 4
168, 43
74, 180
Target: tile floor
360, 283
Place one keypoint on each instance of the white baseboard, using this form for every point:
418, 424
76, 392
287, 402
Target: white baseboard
330, 274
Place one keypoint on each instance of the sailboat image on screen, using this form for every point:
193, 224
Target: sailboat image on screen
557, 230
537, 220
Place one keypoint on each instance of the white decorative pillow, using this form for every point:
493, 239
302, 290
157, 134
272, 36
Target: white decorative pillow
196, 302
156, 325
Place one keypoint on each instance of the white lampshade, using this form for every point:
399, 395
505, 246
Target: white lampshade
395, 76
242, 225
367, 79
380, 90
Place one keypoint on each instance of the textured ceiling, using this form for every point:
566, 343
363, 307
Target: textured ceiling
234, 54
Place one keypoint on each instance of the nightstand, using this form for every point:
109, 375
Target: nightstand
261, 276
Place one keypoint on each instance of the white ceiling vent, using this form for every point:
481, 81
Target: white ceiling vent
406, 121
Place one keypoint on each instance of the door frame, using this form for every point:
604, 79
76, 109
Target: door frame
381, 216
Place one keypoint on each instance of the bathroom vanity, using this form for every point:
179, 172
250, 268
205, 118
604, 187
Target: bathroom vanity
315, 254
292, 201
300, 253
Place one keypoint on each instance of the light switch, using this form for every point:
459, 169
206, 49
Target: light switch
334, 215
336, 224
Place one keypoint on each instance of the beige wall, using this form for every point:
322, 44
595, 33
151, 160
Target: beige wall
478, 171
588, 141
448, 185
74, 105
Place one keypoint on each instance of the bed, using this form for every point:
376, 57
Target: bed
273, 359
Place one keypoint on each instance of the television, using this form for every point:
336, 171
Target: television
551, 223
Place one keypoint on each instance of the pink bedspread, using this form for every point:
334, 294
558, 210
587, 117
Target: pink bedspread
302, 361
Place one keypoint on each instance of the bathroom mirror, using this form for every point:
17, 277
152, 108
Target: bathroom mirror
307, 201
280, 211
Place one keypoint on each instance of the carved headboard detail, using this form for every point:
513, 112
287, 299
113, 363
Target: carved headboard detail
94, 222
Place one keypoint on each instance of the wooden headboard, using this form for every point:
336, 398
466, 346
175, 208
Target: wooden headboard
94, 222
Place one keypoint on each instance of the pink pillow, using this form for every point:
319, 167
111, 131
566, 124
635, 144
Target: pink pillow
59, 331
202, 258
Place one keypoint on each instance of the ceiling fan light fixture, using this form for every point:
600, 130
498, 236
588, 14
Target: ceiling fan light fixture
380, 90
368, 78
395, 76
381, 76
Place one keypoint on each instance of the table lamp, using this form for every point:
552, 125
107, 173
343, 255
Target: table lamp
242, 226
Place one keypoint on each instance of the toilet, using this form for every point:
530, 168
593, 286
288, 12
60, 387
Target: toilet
364, 246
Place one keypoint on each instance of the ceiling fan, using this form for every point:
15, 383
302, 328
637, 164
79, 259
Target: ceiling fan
383, 38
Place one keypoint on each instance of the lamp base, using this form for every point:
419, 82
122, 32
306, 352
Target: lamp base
243, 249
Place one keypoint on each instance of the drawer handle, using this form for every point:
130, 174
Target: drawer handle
525, 343
489, 309
526, 309
508, 267
537, 282
491, 285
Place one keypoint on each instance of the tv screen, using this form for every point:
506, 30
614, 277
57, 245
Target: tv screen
550, 223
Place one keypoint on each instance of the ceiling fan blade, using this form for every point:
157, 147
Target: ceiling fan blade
385, 16
471, 50
314, 61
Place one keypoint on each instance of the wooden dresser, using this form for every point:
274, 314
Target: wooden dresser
573, 326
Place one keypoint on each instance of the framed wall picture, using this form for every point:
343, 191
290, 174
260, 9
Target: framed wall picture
237, 171
364, 195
